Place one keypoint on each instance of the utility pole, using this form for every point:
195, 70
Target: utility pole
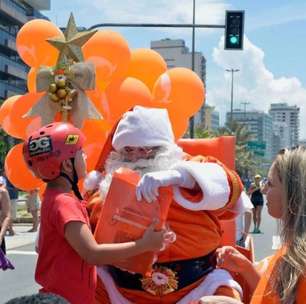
232, 71
245, 105
191, 120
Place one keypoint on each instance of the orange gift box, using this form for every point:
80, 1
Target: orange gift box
124, 219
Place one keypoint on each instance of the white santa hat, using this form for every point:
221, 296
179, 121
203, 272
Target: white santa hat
143, 127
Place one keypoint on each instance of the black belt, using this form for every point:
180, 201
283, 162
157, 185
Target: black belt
187, 272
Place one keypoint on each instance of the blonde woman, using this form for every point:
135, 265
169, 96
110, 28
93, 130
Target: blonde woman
284, 280
257, 200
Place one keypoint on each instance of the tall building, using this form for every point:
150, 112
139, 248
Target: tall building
176, 54
302, 142
259, 125
13, 14
281, 136
288, 117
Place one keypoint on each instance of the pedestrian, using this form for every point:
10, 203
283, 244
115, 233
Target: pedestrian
13, 194
243, 222
283, 280
4, 222
67, 250
5, 212
255, 191
33, 204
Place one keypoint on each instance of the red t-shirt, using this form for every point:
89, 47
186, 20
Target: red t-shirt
59, 268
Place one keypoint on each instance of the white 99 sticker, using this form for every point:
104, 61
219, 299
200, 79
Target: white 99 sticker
40, 145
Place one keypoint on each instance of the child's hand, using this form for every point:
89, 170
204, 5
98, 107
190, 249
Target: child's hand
231, 259
218, 300
153, 240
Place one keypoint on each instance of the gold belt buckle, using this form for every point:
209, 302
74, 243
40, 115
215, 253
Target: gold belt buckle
161, 282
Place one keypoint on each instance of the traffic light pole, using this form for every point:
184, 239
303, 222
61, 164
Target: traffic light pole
169, 25
191, 121
176, 25
232, 92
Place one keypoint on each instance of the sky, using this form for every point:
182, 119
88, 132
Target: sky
272, 64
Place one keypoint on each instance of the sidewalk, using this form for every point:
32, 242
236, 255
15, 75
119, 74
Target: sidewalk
21, 238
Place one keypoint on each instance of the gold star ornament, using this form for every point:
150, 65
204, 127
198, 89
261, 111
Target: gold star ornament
70, 47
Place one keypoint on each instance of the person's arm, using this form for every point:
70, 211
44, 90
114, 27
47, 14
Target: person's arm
5, 213
231, 259
82, 241
251, 189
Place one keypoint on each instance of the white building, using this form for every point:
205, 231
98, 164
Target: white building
281, 136
288, 116
302, 142
176, 54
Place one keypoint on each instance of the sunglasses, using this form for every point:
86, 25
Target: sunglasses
284, 150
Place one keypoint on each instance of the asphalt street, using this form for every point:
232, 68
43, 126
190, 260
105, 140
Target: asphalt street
21, 280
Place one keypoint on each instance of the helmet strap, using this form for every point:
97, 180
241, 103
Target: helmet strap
74, 181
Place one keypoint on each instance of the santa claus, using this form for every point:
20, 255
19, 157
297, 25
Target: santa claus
203, 188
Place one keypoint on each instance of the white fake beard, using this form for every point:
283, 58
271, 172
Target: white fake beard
164, 160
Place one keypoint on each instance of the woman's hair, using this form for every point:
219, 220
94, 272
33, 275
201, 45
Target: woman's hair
290, 166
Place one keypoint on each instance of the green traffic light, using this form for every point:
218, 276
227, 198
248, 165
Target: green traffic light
234, 40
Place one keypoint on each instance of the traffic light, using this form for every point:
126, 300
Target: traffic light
234, 28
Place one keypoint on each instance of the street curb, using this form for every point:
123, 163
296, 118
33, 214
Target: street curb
23, 220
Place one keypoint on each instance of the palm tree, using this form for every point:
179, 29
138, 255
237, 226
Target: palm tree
246, 161
201, 132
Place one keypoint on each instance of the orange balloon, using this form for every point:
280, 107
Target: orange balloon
31, 82
181, 87
99, 99
146, 65
179, 123
124, 95
110, 53
32, 46
17, 171
6, 107
95, 131
15, 124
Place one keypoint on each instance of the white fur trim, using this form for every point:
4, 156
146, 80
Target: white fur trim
213, 182
109, 284
92, 180
243, 204
143, 127
214, 280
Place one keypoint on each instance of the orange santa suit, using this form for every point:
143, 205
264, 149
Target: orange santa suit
204, 190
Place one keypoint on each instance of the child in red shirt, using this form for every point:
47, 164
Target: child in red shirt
67, 248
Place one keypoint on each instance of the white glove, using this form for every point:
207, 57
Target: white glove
149, 184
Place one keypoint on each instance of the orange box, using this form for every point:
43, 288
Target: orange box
124, 219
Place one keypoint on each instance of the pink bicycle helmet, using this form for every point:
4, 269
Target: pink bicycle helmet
46, 148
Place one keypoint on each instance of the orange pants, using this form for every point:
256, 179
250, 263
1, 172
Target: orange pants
142, 297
